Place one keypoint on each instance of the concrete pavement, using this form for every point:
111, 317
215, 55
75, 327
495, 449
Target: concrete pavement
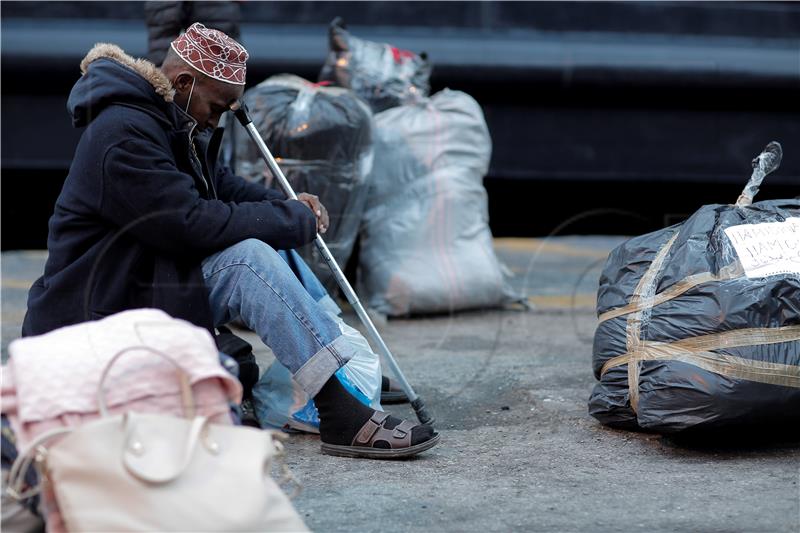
519, 452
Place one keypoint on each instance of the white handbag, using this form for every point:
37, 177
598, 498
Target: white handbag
154, 472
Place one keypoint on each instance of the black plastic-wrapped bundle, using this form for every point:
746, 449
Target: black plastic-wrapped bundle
322, 140
700, 322
383, 75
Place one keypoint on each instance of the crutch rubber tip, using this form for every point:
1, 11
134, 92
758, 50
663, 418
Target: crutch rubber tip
422, 411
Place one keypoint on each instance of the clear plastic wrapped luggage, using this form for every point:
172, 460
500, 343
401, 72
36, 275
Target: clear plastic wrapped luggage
426, 246
425, 240
322, 139
383, 75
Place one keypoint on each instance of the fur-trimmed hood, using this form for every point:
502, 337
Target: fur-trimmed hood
145, 68
110, 76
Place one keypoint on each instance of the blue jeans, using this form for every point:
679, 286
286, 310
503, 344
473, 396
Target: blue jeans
262, 287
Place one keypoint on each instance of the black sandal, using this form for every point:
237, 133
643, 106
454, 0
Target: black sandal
372, 432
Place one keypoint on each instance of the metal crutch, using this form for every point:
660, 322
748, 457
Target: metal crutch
416, 402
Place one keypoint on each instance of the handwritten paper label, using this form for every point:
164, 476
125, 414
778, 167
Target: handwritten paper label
769, 248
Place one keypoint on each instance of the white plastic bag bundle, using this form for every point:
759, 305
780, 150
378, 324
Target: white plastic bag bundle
426, 245
280, 402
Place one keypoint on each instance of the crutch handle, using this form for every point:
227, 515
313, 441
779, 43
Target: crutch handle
241, 114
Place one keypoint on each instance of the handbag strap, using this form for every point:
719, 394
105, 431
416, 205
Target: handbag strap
138, 468
36, 452
186, 387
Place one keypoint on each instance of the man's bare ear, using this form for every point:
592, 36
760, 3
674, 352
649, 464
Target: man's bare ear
183, 81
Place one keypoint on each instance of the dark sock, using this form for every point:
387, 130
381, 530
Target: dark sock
386, 385
341, 415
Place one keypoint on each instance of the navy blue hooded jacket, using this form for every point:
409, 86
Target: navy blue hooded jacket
139, 211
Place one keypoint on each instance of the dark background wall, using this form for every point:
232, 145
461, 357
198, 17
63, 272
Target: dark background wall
606, 117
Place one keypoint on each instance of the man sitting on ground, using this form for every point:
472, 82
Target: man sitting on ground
146, 218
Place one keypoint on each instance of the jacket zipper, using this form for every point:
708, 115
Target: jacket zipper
198, 166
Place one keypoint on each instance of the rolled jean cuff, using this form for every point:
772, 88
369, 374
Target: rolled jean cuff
323, 364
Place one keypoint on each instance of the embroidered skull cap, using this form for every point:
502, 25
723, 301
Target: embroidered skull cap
213, 53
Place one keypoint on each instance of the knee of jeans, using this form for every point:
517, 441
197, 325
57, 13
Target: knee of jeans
254, 251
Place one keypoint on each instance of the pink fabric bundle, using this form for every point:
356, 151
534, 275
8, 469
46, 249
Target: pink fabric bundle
51, 380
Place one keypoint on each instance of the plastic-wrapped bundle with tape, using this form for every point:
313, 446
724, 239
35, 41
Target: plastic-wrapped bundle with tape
322, 139
425, 240
383, 75
700, 322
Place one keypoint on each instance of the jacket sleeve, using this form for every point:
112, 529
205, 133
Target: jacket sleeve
148, 196
233, 188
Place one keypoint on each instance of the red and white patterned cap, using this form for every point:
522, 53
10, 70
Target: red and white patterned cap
213, 53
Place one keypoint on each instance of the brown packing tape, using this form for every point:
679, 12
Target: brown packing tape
731, 271
737, 367
698, 351
643, 295
738, 337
